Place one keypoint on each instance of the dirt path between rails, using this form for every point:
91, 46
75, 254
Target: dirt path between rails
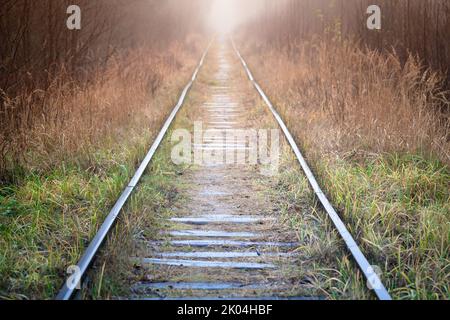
238, 232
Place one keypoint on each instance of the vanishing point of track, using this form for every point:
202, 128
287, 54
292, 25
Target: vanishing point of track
221, 122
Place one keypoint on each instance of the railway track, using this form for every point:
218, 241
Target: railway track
216, 249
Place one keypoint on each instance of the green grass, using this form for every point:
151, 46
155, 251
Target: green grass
143, 215
54, 204
394, 196
323, 258
398, 207
46, 220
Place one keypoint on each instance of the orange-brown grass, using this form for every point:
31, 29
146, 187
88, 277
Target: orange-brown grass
70, 119
377, 134
361, 99
68, 152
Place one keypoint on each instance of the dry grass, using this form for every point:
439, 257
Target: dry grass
362, 100
70, 119
70, 151
377, 135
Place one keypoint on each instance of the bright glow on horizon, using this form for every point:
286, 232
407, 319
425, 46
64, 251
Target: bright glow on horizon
224, 15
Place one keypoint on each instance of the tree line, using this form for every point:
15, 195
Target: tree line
36, 41
419, 27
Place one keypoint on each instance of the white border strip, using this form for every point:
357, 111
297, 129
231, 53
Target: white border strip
351, 244
86, 260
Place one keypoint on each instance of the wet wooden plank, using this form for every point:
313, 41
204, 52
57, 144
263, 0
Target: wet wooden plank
231, 298
221, 122
220, 145
220, 127
201, 220
224, 243
198, 286
207, 264
221, 254
221, 140
214, 193
225, 115
212, 233
221, 117
222, 149
220, 106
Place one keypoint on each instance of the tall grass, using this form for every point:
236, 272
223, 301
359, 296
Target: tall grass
377, 134
409, 26
363, 100
68, 120
67, 154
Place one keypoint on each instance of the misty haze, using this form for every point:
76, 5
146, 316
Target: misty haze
256, 150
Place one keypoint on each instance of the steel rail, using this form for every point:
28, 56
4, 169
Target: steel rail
351, 244
67, 291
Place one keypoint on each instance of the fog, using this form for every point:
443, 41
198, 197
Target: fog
226, 15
